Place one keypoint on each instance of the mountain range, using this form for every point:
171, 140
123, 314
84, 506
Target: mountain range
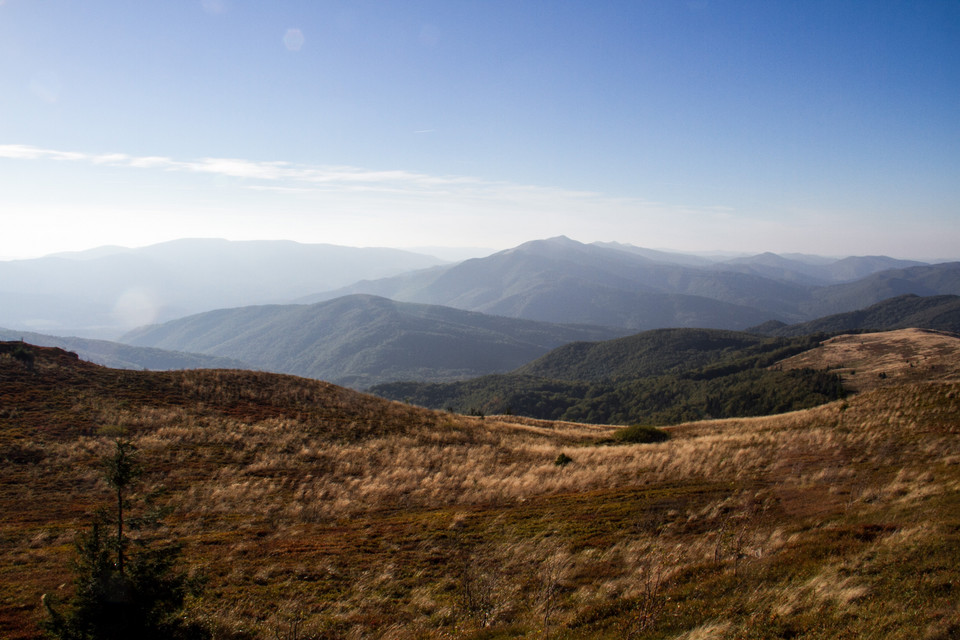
811, 271
433, 322
123, 356
941, 313
362, 340
561, 280
106, 291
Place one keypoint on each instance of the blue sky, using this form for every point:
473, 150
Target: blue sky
819, 127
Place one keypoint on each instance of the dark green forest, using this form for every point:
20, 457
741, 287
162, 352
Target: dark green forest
723, 374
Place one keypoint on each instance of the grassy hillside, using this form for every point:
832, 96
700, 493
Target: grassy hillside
658, 377
870, 360
361, 340
314, 511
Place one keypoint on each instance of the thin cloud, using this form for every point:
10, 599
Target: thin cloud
111, 158
151, 162
440, 204
26, 152
344, 177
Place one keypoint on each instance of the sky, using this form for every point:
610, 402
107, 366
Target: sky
827, 127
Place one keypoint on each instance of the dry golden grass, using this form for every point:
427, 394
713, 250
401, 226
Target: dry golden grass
318, 510
870, 360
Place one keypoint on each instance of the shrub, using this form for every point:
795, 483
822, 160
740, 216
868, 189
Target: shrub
639, 434
24, 355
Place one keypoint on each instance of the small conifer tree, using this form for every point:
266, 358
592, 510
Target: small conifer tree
124, 588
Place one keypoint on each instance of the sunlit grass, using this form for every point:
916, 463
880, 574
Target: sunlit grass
314, 508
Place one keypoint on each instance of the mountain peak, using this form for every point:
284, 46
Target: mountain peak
549, 245
556, 241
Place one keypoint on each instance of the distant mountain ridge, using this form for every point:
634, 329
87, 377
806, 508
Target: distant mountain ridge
109, 290
561, 280
363, 340
123, 356
940, 313
771, 265
927, 280
106, 291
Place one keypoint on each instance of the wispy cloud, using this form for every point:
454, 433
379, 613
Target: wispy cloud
26, 152
294, 176
369, 205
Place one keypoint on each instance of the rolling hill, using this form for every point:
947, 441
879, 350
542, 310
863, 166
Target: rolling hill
668, 375
314, 511
362, 340
867, 361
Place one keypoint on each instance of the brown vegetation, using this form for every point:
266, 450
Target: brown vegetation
870, 360
315, 511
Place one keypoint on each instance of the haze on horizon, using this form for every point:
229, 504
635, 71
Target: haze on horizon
811, 127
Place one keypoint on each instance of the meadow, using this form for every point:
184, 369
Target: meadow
312, 511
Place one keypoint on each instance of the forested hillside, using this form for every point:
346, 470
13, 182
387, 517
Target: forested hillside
648, 353
362, 340
658, 377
